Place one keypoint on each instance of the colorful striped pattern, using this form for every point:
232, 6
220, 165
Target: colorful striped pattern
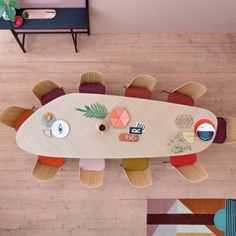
230, 217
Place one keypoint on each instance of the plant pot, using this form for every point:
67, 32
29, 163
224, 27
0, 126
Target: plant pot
102, 127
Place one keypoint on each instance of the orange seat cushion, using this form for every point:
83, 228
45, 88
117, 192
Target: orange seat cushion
180, 98
183, 160
138, 92
23, 118
51, 161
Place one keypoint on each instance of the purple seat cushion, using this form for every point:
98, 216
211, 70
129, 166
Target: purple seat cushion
221, 131
55, 93
92, 88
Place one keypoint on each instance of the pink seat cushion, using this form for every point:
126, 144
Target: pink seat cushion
96, 88
55, 93
92, 164
138, 92
183, 160
180, 98
221, 131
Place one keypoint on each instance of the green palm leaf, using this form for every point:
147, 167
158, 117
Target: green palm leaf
95, 110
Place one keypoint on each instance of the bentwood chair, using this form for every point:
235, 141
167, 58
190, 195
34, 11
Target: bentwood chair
46, 167
141, 87
91, 172
226, 130
15, 116
186, 94
47, 91
138, 172
92, 82
189, 167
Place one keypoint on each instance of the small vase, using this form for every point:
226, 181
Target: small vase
101, 127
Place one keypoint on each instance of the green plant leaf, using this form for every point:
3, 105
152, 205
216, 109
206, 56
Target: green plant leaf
2, 8
95, 110
10, 13
14, 3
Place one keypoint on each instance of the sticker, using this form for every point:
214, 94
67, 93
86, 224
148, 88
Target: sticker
135, 130
141, 126
47, 133
125, 137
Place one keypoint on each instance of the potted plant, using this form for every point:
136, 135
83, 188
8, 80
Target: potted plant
7, 9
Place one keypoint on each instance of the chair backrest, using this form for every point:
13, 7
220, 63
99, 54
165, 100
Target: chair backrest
43, 87
230, 129
91, 172
92, 77
192, 89
92, 164
193, 173
145, 81
12, 114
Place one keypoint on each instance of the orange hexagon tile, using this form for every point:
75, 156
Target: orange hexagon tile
119, 117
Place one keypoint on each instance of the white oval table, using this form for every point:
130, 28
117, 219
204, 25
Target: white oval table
84, 140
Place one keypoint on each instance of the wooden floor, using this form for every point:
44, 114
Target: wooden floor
63, 207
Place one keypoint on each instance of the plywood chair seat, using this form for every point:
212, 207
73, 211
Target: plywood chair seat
143, 81
92, 172
193, 173
44, 172
187, 94
92, 77
47, 90
138, 172
230, 129
189, 168
15, 116
46, 167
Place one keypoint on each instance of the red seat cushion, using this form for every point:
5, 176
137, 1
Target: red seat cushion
51, 161
138, 92
96, 88
55, 93
23, 118
183, 160
221, 131
180, 98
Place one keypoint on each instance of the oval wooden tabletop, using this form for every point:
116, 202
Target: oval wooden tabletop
166, 125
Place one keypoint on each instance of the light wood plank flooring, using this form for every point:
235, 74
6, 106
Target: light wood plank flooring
63, 207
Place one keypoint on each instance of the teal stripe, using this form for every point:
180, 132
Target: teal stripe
230, 217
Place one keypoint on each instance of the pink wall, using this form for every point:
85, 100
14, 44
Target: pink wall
163, 16
153, 16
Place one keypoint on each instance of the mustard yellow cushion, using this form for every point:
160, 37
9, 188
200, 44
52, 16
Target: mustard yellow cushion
135, 164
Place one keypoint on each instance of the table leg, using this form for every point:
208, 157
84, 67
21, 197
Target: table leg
18, 40
74, 38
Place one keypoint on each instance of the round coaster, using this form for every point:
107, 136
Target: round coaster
184, 121
60, 129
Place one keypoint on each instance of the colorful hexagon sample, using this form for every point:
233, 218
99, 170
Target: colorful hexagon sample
119, 117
